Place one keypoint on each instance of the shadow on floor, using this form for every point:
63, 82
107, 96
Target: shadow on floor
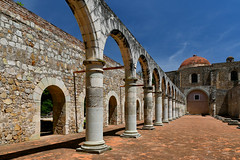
72, 144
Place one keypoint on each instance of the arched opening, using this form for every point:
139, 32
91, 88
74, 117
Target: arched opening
117, 48
194, 77
156, 84
46, 113
53, 105
138, 110
112, 111
144, 71
234, 76
197, 102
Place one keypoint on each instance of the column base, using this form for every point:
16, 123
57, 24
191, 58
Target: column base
129, 134
165, 121
238, 127
148, 127
158, 124
94, 149
170, 119
174, 118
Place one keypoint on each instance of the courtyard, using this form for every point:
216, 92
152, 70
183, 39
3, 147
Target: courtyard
190, 137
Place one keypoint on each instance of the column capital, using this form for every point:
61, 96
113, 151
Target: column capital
169, 97
130, 79
94, 65
94, 61
158, 92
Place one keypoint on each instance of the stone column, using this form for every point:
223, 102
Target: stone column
170, 108
174, 109
94, 108
148, 108
158, 109
214, 109
181, 109
177, 109
130, 109
165, 111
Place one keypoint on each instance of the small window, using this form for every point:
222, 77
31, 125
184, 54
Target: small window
194, 78
196, 97
234, 76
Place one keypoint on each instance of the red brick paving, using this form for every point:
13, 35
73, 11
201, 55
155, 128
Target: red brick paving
190, 137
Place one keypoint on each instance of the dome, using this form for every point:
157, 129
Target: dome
194, 61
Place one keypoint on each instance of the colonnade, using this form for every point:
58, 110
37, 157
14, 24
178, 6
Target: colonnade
97, 22
167, 108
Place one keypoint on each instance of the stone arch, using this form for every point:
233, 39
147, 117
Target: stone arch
169, 90
164, 94
164, 86
146, 71
195, 88
83, 13
112, 111
157, 79
112, 107
124, 47
198, 102
173, 93
57, 88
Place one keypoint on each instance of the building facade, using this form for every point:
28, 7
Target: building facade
207, 86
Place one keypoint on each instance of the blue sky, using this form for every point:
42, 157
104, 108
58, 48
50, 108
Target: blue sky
170, 30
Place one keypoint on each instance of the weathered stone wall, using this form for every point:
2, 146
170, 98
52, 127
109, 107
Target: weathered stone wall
233, 100
35, 55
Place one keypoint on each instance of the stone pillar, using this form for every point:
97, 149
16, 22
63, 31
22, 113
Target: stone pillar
170, 108
177, 109
158, 109
214, 109
148, 108
94, 108
165, 111
181, 109
130, 109
174, 108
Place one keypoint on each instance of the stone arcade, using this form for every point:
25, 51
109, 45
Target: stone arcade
36, 55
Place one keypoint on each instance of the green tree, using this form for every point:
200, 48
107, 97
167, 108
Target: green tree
46, 103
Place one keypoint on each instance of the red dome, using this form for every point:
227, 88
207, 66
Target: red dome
194, 61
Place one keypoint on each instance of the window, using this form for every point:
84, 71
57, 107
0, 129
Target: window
194, 78
234, 76
196, 97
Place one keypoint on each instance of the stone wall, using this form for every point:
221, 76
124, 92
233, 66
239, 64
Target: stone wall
36, 55
233, 100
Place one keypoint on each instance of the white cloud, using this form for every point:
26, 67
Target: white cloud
225, 34
179, 52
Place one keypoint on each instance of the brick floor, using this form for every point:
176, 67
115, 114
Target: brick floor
190, 137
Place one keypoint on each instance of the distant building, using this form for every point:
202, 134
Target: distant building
209, 88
